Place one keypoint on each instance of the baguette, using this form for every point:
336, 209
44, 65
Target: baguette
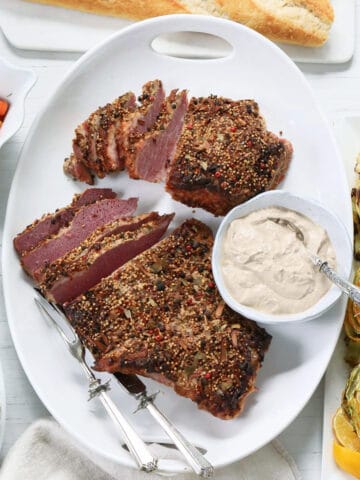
301, 22
130, 9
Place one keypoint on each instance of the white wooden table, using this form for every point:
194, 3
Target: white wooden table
337, 88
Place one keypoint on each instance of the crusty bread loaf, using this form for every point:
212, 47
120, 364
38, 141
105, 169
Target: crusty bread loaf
302, 22
131, 9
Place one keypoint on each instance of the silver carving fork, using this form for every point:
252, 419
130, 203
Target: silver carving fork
143, 457
135, 387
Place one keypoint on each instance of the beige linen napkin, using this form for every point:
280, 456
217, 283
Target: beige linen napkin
46, 452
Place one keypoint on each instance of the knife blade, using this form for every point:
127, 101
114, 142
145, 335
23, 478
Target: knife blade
136, 388
131, 383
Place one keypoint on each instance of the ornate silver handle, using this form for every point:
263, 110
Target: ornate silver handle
192, 455
351, 290
142, 455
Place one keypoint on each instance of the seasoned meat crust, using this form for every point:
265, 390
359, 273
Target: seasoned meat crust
149, 153
225, 155
50, 224
85, 221
161, 316
102, 252
100, 142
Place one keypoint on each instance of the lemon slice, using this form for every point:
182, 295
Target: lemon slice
344, 431
348, 460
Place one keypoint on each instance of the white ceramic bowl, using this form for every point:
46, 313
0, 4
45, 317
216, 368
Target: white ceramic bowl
15, 84
320, 215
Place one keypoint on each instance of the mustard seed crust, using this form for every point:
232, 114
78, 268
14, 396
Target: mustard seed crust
137, 140
98, 125
120, 233
161, 316
225, 155
143, 119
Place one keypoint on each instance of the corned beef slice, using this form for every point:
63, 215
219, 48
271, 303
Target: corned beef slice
107, 249
94, 145
74, 167
100, 141
50, 224
103, 134
142, 119
149, 155
86, 220
98, 125
77, 164
161, 316
92, 195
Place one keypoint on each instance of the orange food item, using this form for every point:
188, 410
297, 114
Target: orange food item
344, 431
348, 460
4, 107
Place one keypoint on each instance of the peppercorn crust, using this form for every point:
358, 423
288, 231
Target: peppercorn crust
141, 121
100, 142
105, 250
50, 223
225, 155
161, 316
148, 153
98, 125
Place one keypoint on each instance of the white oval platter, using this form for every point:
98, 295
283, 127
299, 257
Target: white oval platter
298, 355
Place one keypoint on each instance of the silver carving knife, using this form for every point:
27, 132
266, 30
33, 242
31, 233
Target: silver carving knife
194, 458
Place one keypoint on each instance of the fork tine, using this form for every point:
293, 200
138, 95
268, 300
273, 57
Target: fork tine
143, 457
46, 304
40, 303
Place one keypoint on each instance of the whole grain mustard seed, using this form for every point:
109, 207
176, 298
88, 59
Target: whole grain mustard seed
225, 139
183, 332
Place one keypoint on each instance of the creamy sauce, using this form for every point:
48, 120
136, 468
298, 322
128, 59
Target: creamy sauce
266, 267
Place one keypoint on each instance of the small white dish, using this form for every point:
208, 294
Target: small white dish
315, 211
15, 84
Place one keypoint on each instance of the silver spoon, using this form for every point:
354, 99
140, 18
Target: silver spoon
351, 290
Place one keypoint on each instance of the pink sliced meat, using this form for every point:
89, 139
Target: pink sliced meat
92, 161
92, 195
85, 221
101, 141
76, 164
149, 157
104, 125
109, 132
94, 146
101, 254
76, 169
50, 224
143, 118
